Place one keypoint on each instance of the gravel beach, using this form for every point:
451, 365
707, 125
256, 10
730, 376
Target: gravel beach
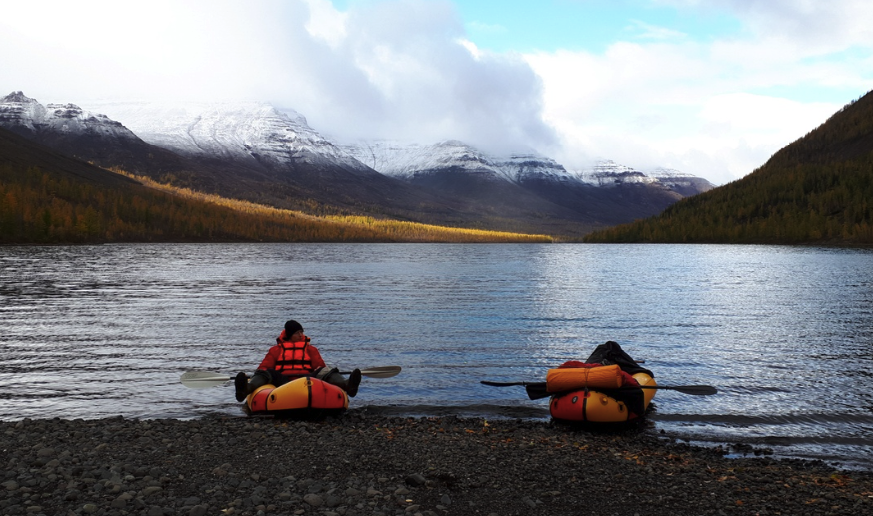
366, 464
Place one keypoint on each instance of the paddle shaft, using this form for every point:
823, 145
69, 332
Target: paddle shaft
694, 390
205, 379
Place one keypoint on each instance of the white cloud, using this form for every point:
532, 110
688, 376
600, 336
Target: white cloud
386, 69
409, 69
326, 23
657, 105
821, 27
413, 74
709, 108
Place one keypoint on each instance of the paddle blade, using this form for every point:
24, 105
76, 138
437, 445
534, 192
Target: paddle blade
381, 371
203, 379
694, 390
537, 390
501, 384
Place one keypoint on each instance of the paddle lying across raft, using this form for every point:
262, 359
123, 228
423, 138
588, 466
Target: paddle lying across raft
293, 379
609, 387
304, 397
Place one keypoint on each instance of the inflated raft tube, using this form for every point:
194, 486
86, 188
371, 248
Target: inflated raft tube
564, 379
306, 398
588, 405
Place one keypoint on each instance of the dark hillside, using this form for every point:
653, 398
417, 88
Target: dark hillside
846, 136
817, 190
49, 198
17, 152
46, 197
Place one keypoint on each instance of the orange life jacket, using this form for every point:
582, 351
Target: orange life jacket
294, 358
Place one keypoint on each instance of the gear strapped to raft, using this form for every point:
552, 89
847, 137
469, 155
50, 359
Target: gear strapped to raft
606, 354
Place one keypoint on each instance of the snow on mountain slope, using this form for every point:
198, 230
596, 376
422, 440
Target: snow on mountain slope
23, 114
256, 131
523, 167
408, 160
16, 109
610, 173
236, 131
680, 181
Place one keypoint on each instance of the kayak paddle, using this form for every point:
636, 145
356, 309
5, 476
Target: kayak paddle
694, 390
205, 379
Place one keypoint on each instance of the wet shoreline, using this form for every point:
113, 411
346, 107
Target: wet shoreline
371, 464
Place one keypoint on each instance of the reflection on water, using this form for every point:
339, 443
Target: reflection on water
785, 333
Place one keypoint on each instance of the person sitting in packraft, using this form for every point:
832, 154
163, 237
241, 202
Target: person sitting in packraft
293, 357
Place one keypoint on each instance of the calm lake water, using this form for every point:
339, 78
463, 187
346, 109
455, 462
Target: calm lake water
784, 333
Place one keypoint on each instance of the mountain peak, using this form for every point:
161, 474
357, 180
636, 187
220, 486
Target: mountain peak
245, 131
25, 115
609, 173
17, 97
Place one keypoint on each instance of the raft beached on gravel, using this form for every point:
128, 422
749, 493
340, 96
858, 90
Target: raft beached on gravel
598, 394
304, 397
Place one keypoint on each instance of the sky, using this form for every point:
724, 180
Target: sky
707, 87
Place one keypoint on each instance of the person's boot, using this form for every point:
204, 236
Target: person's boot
354, 381
241, 383
259, 379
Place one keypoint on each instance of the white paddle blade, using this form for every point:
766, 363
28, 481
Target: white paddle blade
203, 379
381, 371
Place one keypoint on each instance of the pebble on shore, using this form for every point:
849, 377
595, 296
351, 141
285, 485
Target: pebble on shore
362, 464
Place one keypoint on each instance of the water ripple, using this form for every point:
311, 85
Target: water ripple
784, 333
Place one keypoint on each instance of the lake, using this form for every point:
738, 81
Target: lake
784, 333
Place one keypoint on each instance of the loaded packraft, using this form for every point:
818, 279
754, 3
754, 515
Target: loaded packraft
606, 388
602, 389
593, 404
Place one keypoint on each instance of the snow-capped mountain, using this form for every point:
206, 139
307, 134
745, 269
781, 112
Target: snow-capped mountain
406, 160
686, 184
86, 135
529, 166
607, 173
25, 115
236, 131
256, 131
610, 173
607, 191
411, 160
253, 151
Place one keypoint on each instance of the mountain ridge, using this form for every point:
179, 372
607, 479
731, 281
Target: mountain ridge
52, 198
255, 152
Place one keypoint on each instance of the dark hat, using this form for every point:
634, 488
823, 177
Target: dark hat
291, 327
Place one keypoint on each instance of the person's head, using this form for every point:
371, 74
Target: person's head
292, 327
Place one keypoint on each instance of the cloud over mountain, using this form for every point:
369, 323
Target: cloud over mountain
645, 82
384, 69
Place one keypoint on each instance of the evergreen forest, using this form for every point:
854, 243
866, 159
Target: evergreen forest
47, 198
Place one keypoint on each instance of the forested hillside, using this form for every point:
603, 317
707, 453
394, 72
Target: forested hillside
817, 190
48, 198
